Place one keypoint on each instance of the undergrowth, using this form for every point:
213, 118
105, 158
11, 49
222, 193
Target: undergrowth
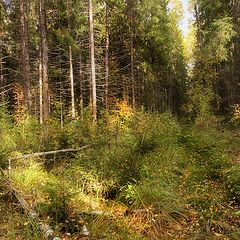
145, 176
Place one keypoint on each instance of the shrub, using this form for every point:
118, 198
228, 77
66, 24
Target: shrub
27, 134
152, 130
7, 141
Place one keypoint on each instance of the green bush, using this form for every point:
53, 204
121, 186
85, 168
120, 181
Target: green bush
57, 204
28, 134
7, 140
152, 130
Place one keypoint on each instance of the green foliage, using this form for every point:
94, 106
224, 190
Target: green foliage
164, 129
3, 160
6, 135
200, 102
139, 161
208, 157
15, 224
31, 177
27, 134
57, 202
232, 183
221, 30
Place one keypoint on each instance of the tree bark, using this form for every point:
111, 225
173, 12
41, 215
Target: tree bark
132, 64
81, 83
107, 59
46, 230
1, 67
235, 86
93, 68
44, 59
40, 88
1, 73
72, 82
25, 63
1, 49
40, 154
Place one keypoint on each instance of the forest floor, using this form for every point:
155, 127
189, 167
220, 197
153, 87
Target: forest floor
154, 180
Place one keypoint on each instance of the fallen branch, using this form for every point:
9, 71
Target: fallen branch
46, 230
40, 154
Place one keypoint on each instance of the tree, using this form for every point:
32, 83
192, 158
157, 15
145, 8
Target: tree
215, 33
44, 60
25, 73
107, 27
1, 43
93, 68
133, 53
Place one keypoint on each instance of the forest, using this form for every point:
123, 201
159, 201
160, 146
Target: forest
117, 124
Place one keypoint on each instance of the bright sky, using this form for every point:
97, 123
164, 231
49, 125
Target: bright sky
186, 17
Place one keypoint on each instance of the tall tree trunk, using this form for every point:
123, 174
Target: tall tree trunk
81, 83
1, 73
2, 32
1, 67
235, 86
73, 112
25, 55
93, 68
72, 82
132, 64
44, 59
107, 59
40, 88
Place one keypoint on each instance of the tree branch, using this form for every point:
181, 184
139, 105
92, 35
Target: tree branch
49, 153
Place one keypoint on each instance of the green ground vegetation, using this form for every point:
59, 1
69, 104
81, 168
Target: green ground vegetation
146, 176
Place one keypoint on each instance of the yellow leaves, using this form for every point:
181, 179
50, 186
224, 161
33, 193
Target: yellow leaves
123, 113
18, 102
124, 110
236, 112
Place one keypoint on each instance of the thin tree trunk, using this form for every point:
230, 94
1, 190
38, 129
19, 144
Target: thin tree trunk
1, 53
73, 112
40, 88
44, 55
25, 55
81, 83
93, 68
1, 68
132, 65
72, 82
235, 86
1, 73
107, 59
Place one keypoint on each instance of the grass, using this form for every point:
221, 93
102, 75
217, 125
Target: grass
15, 225
154, 178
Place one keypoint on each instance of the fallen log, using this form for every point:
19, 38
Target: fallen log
40, 154
46, 230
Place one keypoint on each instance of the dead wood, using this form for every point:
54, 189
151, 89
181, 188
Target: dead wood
40, 154
46, 230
